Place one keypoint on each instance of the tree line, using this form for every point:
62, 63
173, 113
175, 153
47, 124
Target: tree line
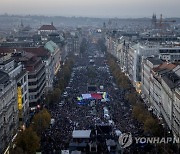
28, 140
63, 78
139, 111
151, 125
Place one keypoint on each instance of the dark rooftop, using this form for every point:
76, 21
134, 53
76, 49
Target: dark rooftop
47, 27
171, 79
155, 60
38, 51
4, 77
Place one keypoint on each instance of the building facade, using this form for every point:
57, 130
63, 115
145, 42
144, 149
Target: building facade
55, 54
8, 110
36, 77
17, 72
160, 90
169, 54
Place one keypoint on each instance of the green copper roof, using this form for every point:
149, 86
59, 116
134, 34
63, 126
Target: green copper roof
51, 46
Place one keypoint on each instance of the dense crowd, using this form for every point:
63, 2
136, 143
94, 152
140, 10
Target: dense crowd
69, 115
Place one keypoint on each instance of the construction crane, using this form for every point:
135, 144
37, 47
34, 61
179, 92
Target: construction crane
161, 23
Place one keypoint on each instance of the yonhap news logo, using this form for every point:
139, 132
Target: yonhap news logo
126, 139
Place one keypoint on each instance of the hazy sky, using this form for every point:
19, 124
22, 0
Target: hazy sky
92, 8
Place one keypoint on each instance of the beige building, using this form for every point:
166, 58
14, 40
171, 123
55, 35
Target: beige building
160, 90
146, 78
176, 113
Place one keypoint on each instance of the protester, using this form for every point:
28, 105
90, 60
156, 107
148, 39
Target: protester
72, 115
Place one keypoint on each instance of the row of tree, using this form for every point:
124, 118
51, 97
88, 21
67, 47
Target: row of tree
63, 78
83, 45
28, 140
101, 45
119, 76
151, 124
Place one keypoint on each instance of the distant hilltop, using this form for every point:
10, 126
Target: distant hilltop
11, 21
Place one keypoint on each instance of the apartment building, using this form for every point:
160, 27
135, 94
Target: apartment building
73, 43
135, 55
153, 69
36, 76
48, 60
17, 72
160, 90
176, 113
122, 55
147, 65
56, 55
170, 54
170, 85
8, 110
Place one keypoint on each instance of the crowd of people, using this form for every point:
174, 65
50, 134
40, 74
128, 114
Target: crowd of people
69, 115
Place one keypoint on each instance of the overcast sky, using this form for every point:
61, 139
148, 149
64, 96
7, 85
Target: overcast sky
92, 8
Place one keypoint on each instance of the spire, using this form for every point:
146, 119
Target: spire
22, 23
104, 25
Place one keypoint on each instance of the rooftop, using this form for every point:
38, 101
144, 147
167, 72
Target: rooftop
171, 79
81, 133
38, 51
47, 27
51, 46
155, 60
4, 77
164, 67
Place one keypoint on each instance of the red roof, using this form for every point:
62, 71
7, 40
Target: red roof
47, 27
30, 56
38, 51
168, 66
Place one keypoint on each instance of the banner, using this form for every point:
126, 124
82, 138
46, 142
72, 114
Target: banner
19, 90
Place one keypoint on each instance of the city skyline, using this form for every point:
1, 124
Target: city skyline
93, 8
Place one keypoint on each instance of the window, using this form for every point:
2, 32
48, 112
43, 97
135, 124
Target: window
25, 78
31, 97
25, 96
25, 88
22, 100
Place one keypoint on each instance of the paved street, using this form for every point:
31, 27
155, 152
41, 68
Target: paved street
90, 72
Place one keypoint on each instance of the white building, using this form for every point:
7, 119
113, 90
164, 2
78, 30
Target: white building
135, 55
160, 89
170, 54
170, 99
147, 65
